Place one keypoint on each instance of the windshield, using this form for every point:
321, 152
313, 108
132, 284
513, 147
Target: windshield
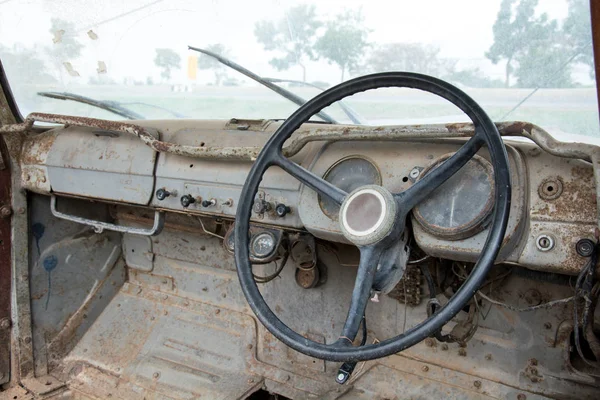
130, 60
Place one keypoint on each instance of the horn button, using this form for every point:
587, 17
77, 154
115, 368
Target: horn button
367, 215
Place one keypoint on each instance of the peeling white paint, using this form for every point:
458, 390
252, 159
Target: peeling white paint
58, 35
92, 35
70, 69
101, 67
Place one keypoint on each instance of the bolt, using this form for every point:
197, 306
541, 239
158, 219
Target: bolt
5, 211
4, 323
429, 342
477, 384
156, 375
250, 346
444, 347
547, 325
425, 368
521, 396
28, 339
462, 352
488, 357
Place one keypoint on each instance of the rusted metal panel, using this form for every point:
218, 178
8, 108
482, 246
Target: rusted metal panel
5, 246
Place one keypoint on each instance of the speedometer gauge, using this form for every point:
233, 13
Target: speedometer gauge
462, 205
348, 174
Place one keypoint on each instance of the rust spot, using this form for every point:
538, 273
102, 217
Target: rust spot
458, 126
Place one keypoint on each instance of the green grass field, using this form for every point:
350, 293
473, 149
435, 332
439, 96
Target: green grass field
566, 110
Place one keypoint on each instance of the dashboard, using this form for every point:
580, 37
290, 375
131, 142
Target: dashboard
553, 203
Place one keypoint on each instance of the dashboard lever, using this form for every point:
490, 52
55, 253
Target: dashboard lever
186, 200
281, 210
208, 203
162, 194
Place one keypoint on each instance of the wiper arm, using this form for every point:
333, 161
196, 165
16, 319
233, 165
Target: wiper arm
353, 115
107, 105
277, 89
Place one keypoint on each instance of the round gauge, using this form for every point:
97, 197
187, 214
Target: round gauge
462, 205
262, 245
348, 174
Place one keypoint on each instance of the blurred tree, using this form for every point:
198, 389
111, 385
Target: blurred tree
532, 46
344, 41
208, 62
412, 57
167, 59
471, 77
294, 36
24, 66
65, 45
578, 29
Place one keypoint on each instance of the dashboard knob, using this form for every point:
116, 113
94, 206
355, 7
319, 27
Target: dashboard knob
186, 200
162, 194
261, 206
281, 210
208, 203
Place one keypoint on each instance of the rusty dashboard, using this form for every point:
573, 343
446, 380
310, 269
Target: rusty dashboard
199, 168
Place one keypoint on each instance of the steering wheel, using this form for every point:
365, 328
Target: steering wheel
374, 219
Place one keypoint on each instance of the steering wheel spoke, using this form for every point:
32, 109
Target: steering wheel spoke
311, 180
425, 186
365, 275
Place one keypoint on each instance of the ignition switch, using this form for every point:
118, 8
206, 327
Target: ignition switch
262, 206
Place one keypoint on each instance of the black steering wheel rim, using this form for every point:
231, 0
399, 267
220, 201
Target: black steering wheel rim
273, 148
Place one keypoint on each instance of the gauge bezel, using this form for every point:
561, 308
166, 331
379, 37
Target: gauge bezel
335, 216
477, 224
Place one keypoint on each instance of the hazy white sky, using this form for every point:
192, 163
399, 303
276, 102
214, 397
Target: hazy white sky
462, 29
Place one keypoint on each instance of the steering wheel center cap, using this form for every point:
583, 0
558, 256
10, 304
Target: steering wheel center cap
368, 215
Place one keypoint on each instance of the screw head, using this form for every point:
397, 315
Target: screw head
521, 396
477, 384
488, 357
425, 368
5, 323
547, 325
429, 342
462, 352
5, 211
156, 375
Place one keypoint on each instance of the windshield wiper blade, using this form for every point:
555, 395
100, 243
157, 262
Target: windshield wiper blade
107, 105
353, 115
277, 89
